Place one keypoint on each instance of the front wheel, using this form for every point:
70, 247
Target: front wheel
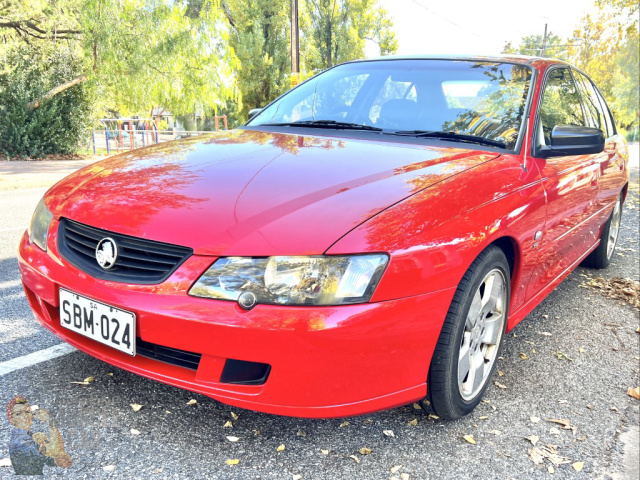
601, 256
465, 355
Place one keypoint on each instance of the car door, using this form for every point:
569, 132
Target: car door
570, 183
611, 163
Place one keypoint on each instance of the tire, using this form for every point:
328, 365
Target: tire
471, 326
601, 256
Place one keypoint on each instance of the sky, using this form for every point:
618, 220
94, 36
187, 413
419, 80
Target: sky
476, 26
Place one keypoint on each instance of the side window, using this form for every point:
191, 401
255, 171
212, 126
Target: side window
592, 108
560, 103
611, 129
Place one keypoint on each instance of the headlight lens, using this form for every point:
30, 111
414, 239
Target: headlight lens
39, 226
322, 280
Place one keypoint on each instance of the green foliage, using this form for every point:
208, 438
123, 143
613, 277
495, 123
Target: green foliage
334, 31
259, 38
61, 124
533, 45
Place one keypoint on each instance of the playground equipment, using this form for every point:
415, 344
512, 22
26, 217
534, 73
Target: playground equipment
131, 133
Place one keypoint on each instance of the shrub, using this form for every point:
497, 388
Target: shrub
60, 125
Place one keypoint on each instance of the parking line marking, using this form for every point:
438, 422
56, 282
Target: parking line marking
35, 358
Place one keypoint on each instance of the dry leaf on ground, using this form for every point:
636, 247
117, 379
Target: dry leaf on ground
500, 385
344, 424
388, 433
533, 439
234, 416
620, 288
192, 402
280, 448
86, 381
395, 468
413, 422
470, 439
365, 451
634, 392
354, 458
136, 407
233, 439
235, 461
134, 431
227, 424
325, 452
578, 466
109, 468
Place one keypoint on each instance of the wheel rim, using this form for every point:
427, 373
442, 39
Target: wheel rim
614, 228
483, 330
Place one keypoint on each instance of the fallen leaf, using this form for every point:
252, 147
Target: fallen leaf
535, 454
388, 433
433, 417
578, 466
109, 468
86, 381
495, 432
483, 417
470, 439
134, 431
354, 458
396, 468
554, 431
523, 356
546, 334
533, 350
235, 461
300, 433
325, 452
110, 374
5, 462
234, 416
233, 439
634, 392
192, 402
550, 469
566, 424
365, 451
136, 407
344, 424
404, 476
533, 439
416, 406
500, 385
157, 470
534, 419
500, 373
545, 316
280, 448
227, 424
297, 477
413, 422
638, 330
581, 350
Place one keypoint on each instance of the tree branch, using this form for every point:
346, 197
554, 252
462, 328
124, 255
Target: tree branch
54, 91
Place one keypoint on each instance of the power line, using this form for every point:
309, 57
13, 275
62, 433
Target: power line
446, 19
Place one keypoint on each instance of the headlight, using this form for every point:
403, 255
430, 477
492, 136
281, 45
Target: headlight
322, 280
39, 226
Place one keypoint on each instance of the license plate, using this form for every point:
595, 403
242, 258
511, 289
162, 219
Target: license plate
100, 322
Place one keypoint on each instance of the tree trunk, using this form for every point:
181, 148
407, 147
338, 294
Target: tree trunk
55, 91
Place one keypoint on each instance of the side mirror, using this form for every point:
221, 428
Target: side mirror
253, 112
571, 140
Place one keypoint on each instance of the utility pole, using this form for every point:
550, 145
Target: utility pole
544, 42
295, 44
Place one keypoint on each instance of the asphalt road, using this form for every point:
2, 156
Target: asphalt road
572, 358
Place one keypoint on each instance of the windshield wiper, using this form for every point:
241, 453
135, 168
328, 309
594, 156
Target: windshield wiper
461, 137
326, 124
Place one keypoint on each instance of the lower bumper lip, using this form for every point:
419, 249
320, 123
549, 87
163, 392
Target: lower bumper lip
325, 361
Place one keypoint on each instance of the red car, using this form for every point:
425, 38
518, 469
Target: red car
363, 242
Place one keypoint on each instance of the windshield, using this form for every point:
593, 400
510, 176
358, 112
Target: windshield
473, 98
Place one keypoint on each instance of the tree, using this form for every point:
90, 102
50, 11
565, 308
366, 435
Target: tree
139, 53
259, 37
334, 31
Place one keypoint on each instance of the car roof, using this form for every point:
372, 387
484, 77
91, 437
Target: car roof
511, 58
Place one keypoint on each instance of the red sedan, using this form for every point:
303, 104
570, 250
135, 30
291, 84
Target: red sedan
363, 242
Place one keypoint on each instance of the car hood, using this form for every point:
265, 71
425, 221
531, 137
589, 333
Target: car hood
247, 192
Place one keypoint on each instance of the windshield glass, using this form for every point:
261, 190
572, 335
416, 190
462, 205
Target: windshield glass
482, 99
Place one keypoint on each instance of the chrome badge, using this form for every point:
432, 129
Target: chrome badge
107, 253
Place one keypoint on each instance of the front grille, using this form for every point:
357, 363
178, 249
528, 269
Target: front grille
181, 358
139, 261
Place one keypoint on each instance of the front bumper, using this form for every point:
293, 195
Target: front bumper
325, 361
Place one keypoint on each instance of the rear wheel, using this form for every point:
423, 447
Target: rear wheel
601, 256
466, 353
